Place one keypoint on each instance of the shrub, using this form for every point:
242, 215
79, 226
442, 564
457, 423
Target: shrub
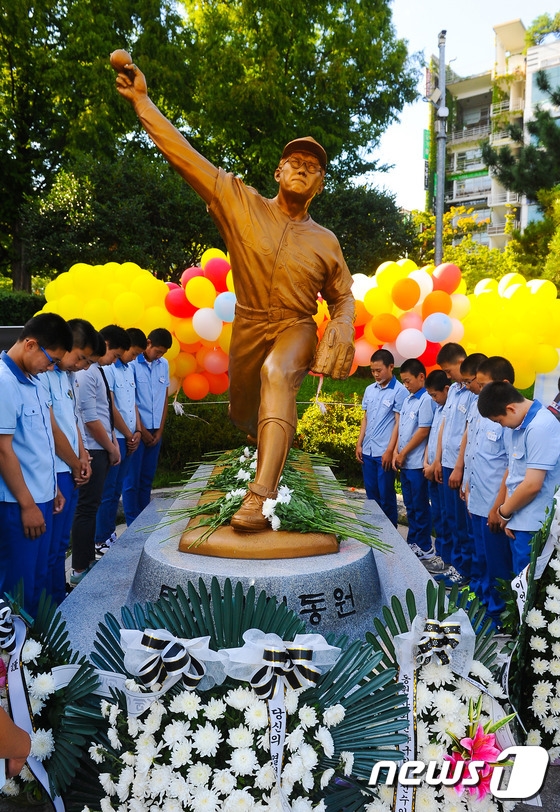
17, 307
334, 432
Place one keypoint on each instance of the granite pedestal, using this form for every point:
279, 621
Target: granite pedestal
339, 593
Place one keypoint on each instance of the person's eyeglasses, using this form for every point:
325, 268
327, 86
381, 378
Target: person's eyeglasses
468, 381
48, 357
296, 163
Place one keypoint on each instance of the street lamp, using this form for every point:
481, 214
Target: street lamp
441, 121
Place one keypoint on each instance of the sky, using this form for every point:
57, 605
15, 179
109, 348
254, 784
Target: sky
469, 49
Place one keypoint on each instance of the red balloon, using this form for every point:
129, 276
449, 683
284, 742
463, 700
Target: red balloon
196, 386
178, 305
189, 273
172, 285
446, 277
429, 356
216, 270
358, 331
218, 383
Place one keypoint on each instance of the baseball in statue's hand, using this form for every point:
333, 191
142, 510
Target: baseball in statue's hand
119, 59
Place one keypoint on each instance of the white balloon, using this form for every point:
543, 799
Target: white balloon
207, 324
425, 282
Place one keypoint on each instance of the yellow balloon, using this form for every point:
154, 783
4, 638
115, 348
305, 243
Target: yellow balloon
200, 292
211, 253
83, 280
407, 265
461, 287
491, 345
485, 285
51, 291
545, 358
185, 332
173, 350
153, 318
229, 282
224, 339
146, 286
460, 305
64, 284
185, 364
78, 268
524, 376
70, 306
378, 300
428, 268
387, 274
509, 279
99, 312
128, 308
520, 349
131, 270
543, 288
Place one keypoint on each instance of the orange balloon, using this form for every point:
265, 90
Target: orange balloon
196, 386
436, 302
362, 315
219, 383
405, 293
369, 335
386, 326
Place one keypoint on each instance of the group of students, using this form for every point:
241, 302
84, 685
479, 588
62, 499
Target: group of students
478, 463
82, 414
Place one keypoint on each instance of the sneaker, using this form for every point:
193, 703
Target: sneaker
436, 565
422, 555
451, 578
101, 549
77, 577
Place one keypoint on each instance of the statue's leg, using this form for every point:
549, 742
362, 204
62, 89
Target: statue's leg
248, 351
282, 373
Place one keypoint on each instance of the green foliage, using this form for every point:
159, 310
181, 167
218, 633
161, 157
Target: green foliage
133, 208
368, 223
17, 307
541, 27
459, 223
478, 261
334, 433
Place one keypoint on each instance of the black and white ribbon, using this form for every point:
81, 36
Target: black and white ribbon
7, 630
439, 638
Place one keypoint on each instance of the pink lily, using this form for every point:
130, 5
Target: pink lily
482, 747
3, 674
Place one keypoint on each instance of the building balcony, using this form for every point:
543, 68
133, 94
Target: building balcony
501, 198
468, 134
461, 196
501, 137
496, 229
507, 107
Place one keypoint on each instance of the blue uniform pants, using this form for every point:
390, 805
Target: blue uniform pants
62, 526
415, 495
462, 553
137, 488
25, 558
521, 549
496, 563
380, 485
107, 513
439, 519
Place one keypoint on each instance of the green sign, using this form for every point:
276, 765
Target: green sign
480, 173
426, 145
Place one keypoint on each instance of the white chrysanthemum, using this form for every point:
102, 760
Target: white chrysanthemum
263, 741
265, 777
123, 784
446, 703
432, 752
199, 774
256, 715
207, 739
223, 781
10, 787
495, 690
554, 753
347, 761
436, 674
552, 605
425, 799
377, 806
554, 628
540, 708
96, 753
268, 508
307, 716
333, 715
293, 770
42, 686
236, 493
275, 522
187, 702
300, 804
133, 686
106, 781
181, 753
386, 793
535, 619
424, 697
243, 761
422, 733
242, 475
555, 649
294, 740
540, 666
144, 762
31, 651
291, 701
133, 726
179, 788
479, 670
555, 705
175, 732
136, 805
538, 643
145, 743
284, 495
240, 800
105, 707
42, 744
542, 689
26, 774
215, 709
308, 756
325, 739
113, 737
554, 667
128, 758
37, 705
457, 727
549, 724
320, 807
114, 714
553, 591
466, 690
204, 800
240, 737
326, 777
556, 739
534, 738
169, 805
239, 698
438, 728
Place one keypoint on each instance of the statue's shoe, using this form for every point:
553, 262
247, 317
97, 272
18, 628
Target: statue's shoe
249, 518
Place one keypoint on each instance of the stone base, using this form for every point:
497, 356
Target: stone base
225, 542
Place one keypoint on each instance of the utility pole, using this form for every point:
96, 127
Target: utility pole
441, 122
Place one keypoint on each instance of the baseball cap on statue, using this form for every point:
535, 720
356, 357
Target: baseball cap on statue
306, 144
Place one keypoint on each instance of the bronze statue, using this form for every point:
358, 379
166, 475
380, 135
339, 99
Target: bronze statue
280, 259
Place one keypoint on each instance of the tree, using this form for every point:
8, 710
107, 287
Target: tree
458, 223
269, 71
540, 29
368, 224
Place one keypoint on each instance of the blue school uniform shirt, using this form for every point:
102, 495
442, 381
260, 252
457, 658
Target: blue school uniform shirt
417, 412
473, 418
380, 404
434, 432
488, 466
534, 444
92, 403
455, 411
25, 414
152, 380
61, 394
120, 378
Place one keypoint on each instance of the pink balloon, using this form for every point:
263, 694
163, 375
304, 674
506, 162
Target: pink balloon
172, 286
189, 273
391, 346
216, 361
446, 277
364, 351
411, 343
411, 319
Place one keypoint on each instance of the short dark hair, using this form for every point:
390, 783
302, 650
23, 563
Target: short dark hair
451, 354
84, 334
438, 380
116, 337
160, 337
472, 362
137, 337
49, 330
101, 346
413, 366
496, 396
384, 356
498, 368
